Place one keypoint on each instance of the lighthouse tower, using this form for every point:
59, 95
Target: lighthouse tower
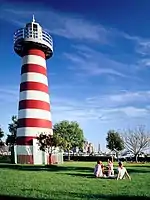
34, 46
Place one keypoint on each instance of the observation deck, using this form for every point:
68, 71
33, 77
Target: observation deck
33, 36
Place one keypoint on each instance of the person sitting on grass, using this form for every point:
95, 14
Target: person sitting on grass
98, 170
122, 172
102, 167
110, 167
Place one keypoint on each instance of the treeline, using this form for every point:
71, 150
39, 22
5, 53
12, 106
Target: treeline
68, 135
105, 158
135, 141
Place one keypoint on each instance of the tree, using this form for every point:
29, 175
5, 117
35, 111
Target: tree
114, 141
48, 142
70, 135
12, 127
1, 133
11, 138
137, 140
1, 136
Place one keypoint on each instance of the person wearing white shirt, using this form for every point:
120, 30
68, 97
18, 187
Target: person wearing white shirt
122, 172
98, 170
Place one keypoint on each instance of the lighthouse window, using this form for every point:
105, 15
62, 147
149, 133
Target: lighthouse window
35, 35
35, 27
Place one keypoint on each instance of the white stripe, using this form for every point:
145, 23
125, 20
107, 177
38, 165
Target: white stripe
34, 114
33, 131
24, 149
35, 77
34, 95
33, 59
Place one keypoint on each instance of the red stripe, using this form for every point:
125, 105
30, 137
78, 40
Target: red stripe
25, 140
25, 159
34, 104
33, 86
36, 52
30, 122
33, 68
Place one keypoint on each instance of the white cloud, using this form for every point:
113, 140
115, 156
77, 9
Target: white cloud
86, 61
94, 112
60, 24
131, 97
103, 107
143, 47
122, 98
145, 62
71, 26
94, 63
8, 94
135, 112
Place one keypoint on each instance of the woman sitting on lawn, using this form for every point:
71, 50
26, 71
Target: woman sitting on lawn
98, 169
122, 172
110, 168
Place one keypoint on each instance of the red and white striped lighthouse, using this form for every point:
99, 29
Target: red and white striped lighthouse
34, 46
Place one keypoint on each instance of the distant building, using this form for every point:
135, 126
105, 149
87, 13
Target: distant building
75, 149
99, 148
88, 147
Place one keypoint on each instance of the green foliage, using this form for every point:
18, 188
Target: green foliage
12, 127
69, 133
45, 141
48, 142
1, 133
114, 141
1, 136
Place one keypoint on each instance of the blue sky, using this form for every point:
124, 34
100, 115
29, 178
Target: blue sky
99, 74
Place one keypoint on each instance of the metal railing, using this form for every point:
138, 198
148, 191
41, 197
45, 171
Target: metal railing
28, 33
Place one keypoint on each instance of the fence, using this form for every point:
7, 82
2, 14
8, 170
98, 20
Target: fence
31, 154
103, 158
56, 158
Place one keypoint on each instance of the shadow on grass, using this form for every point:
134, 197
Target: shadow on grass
54, 168
140, 166
91, 175
106, 197
57, 168
79, 196
138, 170
7, 197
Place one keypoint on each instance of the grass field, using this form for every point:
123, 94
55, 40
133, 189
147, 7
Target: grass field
72, 181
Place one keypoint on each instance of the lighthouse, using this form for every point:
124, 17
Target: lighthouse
34, 45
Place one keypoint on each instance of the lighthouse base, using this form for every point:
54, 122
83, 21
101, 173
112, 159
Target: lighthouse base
30, 154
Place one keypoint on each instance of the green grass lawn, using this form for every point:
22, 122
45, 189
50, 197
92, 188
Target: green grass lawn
72, 181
